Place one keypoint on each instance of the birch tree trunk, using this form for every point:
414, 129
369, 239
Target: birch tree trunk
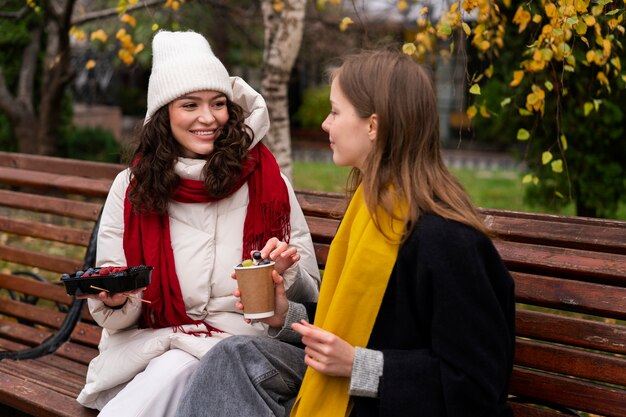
283, 37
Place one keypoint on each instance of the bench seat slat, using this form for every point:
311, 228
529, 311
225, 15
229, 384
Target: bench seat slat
528, 410
30, 397
31, 336
575, 362
572, 331
53, 205
575, 393
53, 378
44, 261
83, 333
565, 294
78, 369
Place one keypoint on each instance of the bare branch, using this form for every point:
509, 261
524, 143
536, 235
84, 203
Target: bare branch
109, 13
14, 15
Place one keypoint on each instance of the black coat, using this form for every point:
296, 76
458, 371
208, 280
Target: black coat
445, 327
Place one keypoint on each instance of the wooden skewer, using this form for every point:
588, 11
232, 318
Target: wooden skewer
129, 296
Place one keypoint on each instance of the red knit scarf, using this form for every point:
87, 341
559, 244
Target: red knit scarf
147, 235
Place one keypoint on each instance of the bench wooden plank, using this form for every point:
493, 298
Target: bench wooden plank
596, 234
44, 261
68, 184
39, 289
53, 205
574, 331
575, 362
30, 397
563, 262
571, 392
35, 229
571, 295
64, 166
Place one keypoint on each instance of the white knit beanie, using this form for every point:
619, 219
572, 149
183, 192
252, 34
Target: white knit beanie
183, 62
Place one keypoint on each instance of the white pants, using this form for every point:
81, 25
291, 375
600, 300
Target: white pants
155, 392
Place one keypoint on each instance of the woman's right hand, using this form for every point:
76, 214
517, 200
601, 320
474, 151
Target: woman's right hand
112, 299
281, 304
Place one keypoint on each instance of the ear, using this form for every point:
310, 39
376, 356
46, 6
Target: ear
372, 131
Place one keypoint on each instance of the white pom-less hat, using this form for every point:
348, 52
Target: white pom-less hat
183, 62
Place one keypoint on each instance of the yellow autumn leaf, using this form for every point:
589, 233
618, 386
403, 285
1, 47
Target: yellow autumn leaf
602, 79
563, 142
475, 89
527, 178
155, 27
471, 112
402, 5
128, 19
345, 22
489, 71
423, 11
466, 29
617, 63
559, 195
535, 180
549, 86
409, 48
279, 6
523, 134
546, 157
99, 35
587, 107
557, 166
484, 112
90, 64
505, 102
517, 78
550, 9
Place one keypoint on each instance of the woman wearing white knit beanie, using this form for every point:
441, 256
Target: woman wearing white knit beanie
201, 193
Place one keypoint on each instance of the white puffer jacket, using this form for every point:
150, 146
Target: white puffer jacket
207, 243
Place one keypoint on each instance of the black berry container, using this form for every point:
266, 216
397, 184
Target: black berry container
128, 279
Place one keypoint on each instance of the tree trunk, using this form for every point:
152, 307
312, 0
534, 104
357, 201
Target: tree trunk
283, 36
36, 127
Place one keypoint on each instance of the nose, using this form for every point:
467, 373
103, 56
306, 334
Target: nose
326, 124
206, 116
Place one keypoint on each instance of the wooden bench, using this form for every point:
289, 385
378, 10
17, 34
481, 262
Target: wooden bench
570, 276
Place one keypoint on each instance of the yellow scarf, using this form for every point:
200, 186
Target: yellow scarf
359, 264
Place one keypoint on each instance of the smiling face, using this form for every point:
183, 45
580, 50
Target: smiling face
195, 119
351, 136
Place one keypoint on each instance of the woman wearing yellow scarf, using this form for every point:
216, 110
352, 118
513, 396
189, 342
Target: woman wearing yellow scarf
416, 310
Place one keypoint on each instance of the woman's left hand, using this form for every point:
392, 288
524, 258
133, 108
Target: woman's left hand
281, 253
325, 352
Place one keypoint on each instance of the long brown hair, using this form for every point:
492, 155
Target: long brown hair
152, 163
405, 164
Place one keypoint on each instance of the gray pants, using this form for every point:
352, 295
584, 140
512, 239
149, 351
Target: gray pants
244, 376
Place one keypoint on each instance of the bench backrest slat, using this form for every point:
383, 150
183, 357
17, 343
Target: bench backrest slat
573, 392
575, 331
53, 263
53, 205
46, 231
575, 362
571, 295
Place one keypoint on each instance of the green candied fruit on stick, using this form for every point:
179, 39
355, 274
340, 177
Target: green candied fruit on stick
247, 262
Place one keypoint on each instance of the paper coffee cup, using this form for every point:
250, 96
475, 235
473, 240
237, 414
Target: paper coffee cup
257, 290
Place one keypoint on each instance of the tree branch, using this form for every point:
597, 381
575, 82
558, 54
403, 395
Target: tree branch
109, 13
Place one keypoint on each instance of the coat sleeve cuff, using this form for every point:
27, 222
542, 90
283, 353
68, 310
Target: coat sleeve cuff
367, 370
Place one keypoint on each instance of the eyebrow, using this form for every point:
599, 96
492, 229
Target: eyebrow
192, 97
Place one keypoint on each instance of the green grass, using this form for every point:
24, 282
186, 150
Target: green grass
488, 188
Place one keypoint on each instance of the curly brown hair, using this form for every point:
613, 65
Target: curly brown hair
154, 181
